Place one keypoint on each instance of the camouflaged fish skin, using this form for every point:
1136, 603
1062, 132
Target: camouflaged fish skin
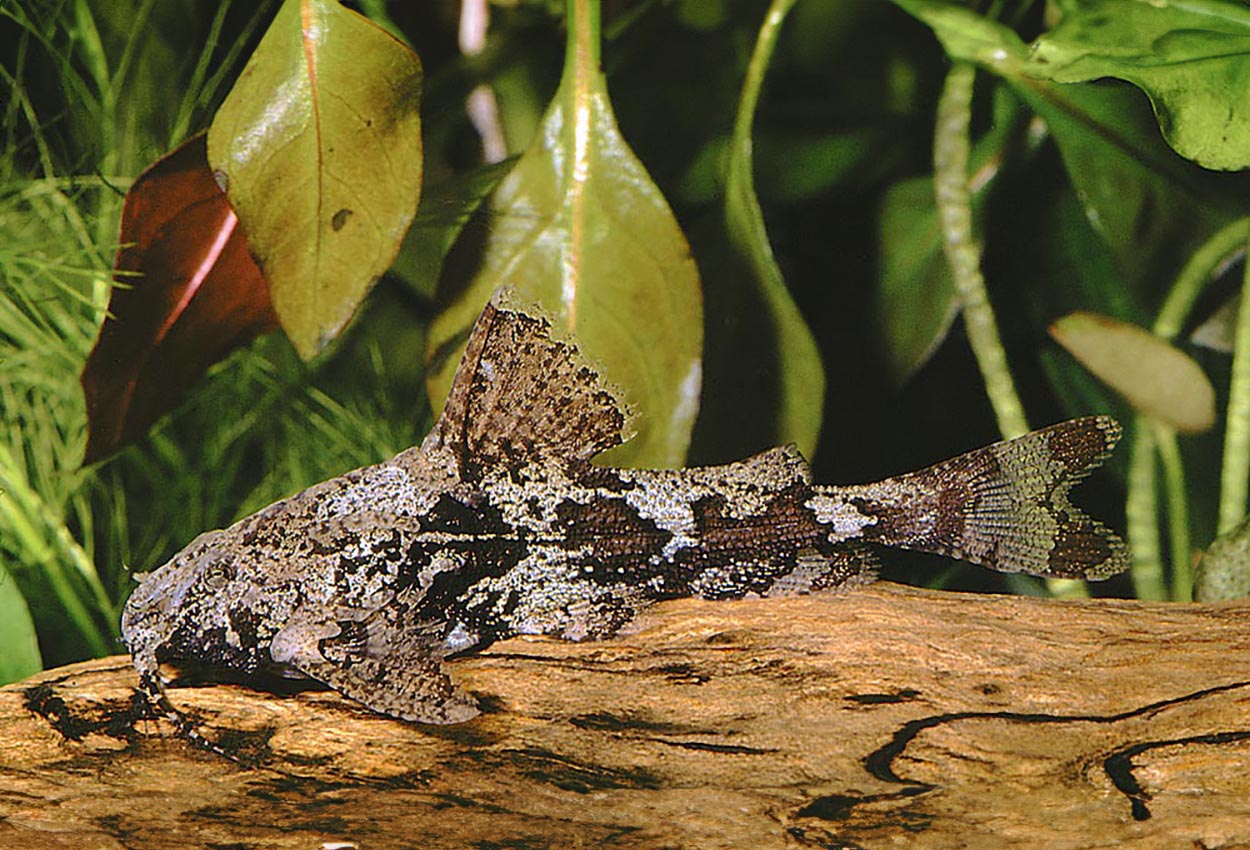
499, 525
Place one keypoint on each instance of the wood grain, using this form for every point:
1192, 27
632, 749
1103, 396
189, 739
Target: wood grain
886, 717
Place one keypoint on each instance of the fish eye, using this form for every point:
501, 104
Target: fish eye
218, 574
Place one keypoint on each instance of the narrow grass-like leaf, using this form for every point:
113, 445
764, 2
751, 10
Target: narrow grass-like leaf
579, 228
319, 144
187, 294
789, 367
1154, 376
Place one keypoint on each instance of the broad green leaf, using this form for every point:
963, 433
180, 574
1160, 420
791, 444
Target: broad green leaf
19, 650
579, 228
1145, 201
319, 148
790, 365
1224, 571
1150, 206
1191, 57
795, 166
1155, 377
917, 301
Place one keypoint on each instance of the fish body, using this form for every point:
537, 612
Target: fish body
499, 524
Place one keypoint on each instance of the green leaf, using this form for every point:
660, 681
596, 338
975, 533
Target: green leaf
795, 167
970, 37
579, 227
19, 649
1157, 378
780, 397
447, 207
1218, 331
1191, 57
319, 147
1141, 198
917, 301
1224, 571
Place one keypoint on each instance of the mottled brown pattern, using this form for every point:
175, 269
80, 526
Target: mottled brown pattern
499, 524
1004, 506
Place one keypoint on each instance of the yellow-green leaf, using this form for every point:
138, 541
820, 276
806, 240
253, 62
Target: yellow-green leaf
1155, 377
579, 228
319, 148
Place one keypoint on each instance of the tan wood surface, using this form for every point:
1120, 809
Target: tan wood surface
887, 717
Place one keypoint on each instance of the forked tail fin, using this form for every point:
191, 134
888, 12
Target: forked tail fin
1004, 506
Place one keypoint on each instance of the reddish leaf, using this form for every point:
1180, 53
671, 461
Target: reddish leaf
187, 294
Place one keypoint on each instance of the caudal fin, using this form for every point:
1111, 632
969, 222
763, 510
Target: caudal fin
1004, 506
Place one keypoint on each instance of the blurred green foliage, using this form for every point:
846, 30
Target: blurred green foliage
1080, 204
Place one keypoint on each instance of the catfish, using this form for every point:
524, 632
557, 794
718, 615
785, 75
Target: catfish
500, 523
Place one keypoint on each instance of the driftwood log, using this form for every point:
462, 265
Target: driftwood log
887, 717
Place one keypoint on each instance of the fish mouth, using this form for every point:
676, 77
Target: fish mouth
162, 592
153, 606
142, 631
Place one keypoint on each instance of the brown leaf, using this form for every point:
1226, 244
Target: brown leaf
187, 293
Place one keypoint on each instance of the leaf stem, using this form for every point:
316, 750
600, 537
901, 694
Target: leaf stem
800, 374
1147, 567
582, 50
765, 43
1178, 512
951, 144
1235, 469
1142, 516
1196, 274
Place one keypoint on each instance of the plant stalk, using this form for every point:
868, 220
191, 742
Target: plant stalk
1235, 470
1178, 513
951, 145
1141, 515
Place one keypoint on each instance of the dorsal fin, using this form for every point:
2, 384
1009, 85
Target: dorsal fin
519, 395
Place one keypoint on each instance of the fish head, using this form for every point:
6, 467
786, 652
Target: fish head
217, 602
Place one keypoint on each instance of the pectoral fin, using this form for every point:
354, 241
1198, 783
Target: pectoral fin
376, 659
